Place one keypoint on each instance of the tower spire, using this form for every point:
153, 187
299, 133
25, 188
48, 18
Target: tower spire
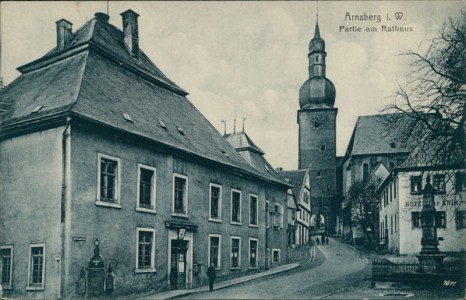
317, 12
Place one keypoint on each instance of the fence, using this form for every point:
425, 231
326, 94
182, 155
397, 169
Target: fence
384, 270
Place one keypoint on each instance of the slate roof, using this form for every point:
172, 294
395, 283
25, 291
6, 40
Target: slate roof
372, 135
108, 38
96, 79
436, 153
241, 141
296, 179
251, 153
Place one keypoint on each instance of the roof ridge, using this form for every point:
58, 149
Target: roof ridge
80, 83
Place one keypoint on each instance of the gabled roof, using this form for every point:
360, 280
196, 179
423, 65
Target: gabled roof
297, 178
371, 135
251, 153
242, 142
291, 201
379, 175
96, 80
107, 38
437, 153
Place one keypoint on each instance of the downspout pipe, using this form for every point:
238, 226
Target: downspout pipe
65, 208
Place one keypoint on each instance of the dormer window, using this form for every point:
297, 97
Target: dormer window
36, 109
127, 117
180, 130
392, 145
226, 154
162, 124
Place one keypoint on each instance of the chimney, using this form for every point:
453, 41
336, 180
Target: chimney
64, 33
130, 30
100, 16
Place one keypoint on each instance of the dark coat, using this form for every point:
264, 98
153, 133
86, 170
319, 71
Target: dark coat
211, 272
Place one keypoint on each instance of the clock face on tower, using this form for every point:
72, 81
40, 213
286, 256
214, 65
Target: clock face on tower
317, 122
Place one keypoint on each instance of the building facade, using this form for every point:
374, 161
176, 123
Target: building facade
302, 192
317, 134
276, 202
371, 144
401, 205
115, 174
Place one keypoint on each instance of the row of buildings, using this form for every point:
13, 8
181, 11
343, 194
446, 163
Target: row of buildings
108, 170
400, 171
115, 174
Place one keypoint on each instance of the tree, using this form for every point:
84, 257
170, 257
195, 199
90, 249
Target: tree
430, 108
362, 204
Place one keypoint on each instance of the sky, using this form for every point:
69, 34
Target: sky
249, 59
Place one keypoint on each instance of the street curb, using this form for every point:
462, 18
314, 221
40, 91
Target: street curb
234, 284
203, 289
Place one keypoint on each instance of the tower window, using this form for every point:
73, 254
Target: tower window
318, 174
323, 148
392, 145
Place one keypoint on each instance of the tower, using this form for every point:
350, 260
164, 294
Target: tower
317, 136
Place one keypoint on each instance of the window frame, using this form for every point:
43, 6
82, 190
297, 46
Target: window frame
416, 216
31, 286
279, 217
439, 183
440, 215
238, 238
219, 251
153, 196
231, 207
152, 267
185, 196
257, 253
257, 210
415, 187
279, 255
117, 200
458, 225
460, 181
268, 213
9, 285
212, 219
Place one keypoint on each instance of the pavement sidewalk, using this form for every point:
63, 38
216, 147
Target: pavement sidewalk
223, 284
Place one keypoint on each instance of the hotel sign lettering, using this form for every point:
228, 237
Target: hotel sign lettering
418, 203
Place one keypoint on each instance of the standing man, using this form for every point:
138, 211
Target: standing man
211, 275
